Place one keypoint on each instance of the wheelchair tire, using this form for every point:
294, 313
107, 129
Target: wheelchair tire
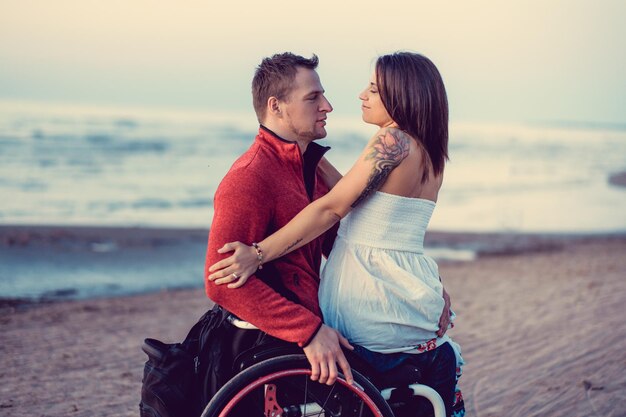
246, 395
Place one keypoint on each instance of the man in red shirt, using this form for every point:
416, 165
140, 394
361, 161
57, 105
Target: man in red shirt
264, 189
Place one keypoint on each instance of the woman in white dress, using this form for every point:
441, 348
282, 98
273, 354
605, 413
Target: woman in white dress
378, 289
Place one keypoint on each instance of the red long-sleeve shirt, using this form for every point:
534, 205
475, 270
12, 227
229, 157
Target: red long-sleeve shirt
264, 189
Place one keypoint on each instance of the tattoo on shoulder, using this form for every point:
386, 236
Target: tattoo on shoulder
386, 151
288, 248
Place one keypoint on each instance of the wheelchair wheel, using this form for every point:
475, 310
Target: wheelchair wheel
282, 386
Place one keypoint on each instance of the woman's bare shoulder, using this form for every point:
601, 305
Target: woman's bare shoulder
392, 133
389, 143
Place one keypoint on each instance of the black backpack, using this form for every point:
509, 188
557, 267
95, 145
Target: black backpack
180, 378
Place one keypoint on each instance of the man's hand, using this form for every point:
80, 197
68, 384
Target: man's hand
444, 320
324, 353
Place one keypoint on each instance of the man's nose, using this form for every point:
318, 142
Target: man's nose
326, 106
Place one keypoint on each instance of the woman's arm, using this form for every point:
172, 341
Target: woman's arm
386, 150
329, 173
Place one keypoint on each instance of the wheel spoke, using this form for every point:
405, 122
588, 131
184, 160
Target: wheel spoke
306, 393
245, 391
327, 398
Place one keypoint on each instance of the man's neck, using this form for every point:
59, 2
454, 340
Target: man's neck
288, 135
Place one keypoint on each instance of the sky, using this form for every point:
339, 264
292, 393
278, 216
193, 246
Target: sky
519, 61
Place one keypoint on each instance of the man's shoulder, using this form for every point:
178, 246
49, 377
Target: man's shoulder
251, 171
257, 159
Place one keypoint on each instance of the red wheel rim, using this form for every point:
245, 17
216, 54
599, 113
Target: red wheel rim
294, 372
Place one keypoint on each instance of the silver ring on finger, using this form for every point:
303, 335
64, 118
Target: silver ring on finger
234, 274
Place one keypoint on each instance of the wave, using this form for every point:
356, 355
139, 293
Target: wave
126, 167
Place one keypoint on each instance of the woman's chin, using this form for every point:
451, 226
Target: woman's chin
370, 122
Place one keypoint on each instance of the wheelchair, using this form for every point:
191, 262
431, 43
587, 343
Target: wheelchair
276, 383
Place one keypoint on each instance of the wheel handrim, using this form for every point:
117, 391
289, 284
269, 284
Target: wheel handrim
259, 382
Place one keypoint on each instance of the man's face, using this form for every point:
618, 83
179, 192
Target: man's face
304, 111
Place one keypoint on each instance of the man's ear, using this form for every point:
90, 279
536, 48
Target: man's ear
273, 106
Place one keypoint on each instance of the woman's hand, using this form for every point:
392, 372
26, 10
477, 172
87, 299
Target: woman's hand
237, 268
444, 320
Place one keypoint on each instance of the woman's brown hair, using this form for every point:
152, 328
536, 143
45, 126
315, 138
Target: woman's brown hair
413, 94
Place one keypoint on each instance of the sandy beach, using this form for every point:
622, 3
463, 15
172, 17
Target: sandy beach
539, 320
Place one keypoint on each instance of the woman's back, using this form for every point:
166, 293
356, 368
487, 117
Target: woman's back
377, 271
406, 179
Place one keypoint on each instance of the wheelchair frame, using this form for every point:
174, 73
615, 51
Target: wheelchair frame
273, 387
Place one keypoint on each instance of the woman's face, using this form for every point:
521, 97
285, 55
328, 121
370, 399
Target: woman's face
374, 111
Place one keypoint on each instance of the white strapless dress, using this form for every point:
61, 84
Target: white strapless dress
377, 287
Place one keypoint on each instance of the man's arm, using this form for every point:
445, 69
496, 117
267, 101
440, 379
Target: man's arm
329, 173
240, 214
328, 238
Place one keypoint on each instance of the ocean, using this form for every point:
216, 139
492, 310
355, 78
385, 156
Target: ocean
140, 167
131, 167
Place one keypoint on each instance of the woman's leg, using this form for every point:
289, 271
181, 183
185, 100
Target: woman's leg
438, 369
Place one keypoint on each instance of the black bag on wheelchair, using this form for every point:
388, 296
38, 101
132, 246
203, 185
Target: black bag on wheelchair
180, 378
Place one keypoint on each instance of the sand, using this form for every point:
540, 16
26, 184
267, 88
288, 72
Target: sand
542, 333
